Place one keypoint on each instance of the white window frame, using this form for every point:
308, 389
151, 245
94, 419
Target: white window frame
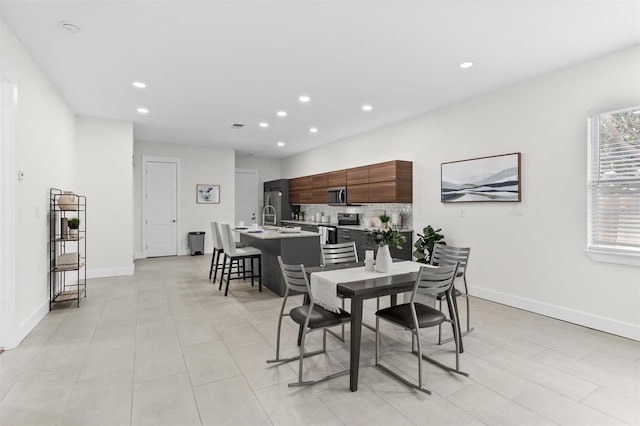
609, 254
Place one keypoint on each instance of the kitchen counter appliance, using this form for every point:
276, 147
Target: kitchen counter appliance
337, 196
348, 219
328, 234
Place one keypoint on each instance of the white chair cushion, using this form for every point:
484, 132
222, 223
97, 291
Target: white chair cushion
246, 251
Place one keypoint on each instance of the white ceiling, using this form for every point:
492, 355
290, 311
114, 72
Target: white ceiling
209, 64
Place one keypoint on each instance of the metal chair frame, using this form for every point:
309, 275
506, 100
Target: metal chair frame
430, 282
449, 255
335, 254
296, 281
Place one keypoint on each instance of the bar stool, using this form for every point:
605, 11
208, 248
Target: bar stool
234, 256
218, 250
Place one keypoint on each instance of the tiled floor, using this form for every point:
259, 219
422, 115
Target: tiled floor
165, 347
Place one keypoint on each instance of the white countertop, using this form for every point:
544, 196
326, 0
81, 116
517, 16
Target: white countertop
352, 227
309, 222
275, 234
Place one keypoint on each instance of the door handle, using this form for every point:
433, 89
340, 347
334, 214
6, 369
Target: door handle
174, 221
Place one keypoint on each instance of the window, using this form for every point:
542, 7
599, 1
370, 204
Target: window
614, 186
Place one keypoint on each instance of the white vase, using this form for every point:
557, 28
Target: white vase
383, 259
68, 201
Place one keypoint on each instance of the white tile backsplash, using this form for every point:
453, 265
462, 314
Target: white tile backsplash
403, 210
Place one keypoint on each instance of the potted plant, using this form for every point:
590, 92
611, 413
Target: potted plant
383, 239
384, 220
74, 224
426, 242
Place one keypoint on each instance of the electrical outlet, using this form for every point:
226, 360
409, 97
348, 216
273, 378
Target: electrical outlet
463, 212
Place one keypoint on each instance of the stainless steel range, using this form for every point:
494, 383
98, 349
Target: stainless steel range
348, 219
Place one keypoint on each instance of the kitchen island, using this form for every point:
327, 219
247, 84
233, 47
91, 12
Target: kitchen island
297, 248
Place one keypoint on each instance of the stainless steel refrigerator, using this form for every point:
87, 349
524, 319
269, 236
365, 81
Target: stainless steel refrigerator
272, 210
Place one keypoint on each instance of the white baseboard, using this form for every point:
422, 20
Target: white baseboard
110, 272
29, 324
181, 252
608, 325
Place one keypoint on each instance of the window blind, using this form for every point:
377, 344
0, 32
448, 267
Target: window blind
614, 181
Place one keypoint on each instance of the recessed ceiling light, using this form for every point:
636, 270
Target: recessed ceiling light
139, 84
367, 107
466, 65
313, 130
263, 124
142, 110
70, 27
282, 113
280, 143
304, 99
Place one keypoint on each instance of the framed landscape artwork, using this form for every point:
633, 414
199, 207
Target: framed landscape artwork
495, 179
207, 194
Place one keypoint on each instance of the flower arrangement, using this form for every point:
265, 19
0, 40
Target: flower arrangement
383, 237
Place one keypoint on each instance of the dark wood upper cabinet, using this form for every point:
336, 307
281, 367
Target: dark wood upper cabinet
358, 175
358, 193
337, 178
319, 196
388, 182
319, 181
383, 171
301, 184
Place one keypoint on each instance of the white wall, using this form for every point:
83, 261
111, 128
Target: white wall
268, 168
105, 177
198, 164
46, 154
535, 261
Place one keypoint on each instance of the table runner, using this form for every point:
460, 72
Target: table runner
324, 285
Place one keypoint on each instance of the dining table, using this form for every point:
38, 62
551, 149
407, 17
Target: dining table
359, 291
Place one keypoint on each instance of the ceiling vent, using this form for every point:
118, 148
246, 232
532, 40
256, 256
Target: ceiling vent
71, 28
237, 126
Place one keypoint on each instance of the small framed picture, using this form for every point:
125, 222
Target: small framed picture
207, 194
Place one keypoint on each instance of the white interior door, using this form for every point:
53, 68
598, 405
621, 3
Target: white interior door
160, 197
9, 329
248, 194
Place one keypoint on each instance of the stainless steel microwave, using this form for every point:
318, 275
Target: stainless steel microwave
337, 196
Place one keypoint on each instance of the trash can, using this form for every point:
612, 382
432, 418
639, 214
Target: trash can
196, 243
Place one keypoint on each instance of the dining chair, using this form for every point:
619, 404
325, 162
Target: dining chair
414, 315
449, 255
335, 254
310, 317
234, 255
